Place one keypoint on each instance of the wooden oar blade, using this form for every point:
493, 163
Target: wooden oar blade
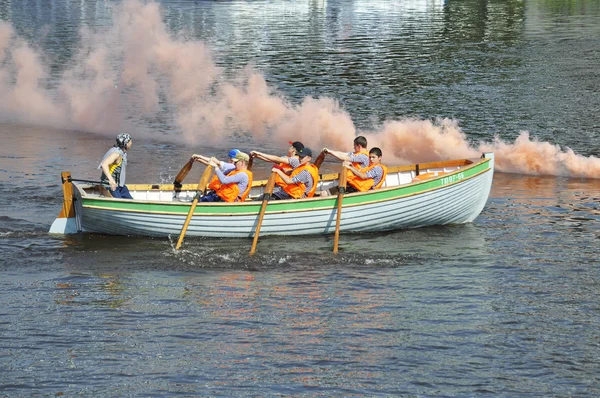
183, 173
319, 160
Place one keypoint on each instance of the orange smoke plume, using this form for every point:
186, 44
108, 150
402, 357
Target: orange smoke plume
135, 75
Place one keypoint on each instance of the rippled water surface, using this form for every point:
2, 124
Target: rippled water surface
505, 306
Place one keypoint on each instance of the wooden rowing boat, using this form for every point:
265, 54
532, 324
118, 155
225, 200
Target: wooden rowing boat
435, 193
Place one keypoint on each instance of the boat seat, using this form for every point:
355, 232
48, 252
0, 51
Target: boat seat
426, 176
104, 192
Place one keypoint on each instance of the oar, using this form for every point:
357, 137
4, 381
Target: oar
319, 160
263, 207
183, 173
341, 192
201, 186
250, 162
89, 181
101, 186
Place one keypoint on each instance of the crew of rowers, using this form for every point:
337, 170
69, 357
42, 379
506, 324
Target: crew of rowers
296, 177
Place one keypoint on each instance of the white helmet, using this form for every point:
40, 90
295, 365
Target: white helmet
123, 139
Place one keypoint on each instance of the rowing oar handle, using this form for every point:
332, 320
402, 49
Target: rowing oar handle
201, 187
341, 192
263, 208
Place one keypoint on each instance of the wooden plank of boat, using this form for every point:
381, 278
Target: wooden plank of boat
456, 195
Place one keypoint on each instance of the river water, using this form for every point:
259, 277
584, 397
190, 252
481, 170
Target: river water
505, 306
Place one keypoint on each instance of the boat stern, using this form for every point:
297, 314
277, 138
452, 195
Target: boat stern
66, 221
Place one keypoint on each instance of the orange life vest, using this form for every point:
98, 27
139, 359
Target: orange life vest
230, 192
296, 191
215, 183
358, 165
366, 184
278, 180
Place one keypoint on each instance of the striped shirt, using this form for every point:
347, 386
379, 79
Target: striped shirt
359, 158
376, 173
304, 177
293, 161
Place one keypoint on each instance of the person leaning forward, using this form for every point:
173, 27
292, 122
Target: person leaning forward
302, 182
225, 167
359, 158
236, 185
285, 163
370, 177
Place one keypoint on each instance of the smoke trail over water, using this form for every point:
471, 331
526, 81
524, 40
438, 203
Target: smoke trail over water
136, 70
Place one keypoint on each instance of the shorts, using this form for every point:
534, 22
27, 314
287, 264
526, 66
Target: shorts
121, 193
211, 197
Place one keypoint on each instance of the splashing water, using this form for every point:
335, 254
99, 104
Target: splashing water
136, 67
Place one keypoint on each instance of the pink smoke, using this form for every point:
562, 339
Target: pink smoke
136, 70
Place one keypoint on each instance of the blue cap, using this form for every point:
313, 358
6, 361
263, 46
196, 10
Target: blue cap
304, 152
233, 152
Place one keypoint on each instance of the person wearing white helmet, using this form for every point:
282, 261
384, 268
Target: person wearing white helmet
114, 165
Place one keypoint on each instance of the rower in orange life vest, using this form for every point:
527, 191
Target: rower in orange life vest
302, 182
359, 158
286, 163
226, 167
236, 185
370, 177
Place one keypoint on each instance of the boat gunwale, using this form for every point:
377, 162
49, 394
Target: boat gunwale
321, 200
464, 163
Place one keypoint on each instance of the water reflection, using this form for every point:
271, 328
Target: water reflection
94, 291
292, 317
465, 243
549, 197
541, 218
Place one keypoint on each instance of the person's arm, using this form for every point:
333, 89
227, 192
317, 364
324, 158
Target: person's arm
226, 167
376, 173
286, 178
343, 156
359, 158
305, 178
355, 171
202, 159
270, 158
110, 159
236, 178
294, 162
